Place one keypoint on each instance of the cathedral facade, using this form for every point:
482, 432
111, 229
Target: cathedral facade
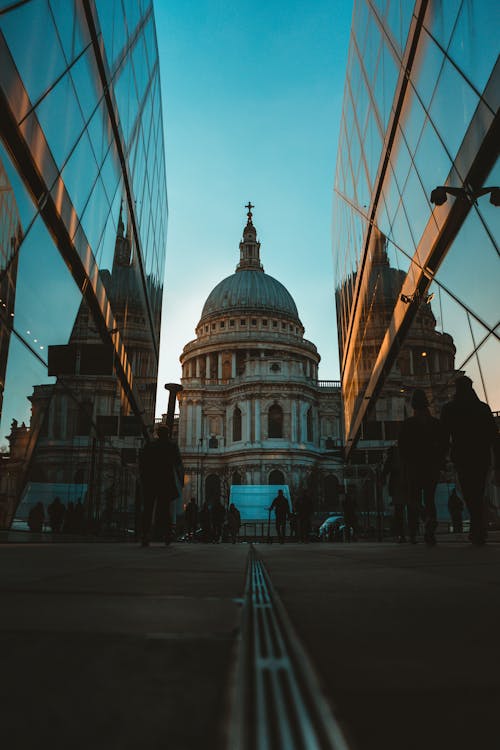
252, 410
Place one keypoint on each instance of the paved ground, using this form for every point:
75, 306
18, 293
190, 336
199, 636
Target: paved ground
114, 646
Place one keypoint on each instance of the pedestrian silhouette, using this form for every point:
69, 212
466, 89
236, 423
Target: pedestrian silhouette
281, 512
36, 517
233, 522
206, 521
455, 509
56, 511
350, 512
191, 518
218, 518
470, 425
422, 448
397, 488
162, 477
69, 519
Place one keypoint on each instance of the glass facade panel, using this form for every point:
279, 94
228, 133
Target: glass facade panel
21, 29
427, 276
79, 325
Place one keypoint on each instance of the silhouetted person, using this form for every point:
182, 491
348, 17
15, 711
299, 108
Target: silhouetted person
36, 517
56, 511
281, 512
350, 512
162, 477
304, 511
233, 522
191, 518
397, 490
206, 521
69, 519
455, 509
422, 448
470, 425
218, 518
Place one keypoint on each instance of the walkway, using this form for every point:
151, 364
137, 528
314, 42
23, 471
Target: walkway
115, 646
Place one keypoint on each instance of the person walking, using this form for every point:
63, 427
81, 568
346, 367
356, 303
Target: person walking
422, 448
234, 522
218, 518
36, 517
206, 521
350, 512
470, 425
281, 512
392, 470
162, 477
455, 509
191, 518
56, 512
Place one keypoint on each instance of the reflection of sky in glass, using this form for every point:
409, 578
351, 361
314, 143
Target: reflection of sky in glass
471, 270
47, 298
23, 372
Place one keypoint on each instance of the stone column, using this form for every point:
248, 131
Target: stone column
293, 423
198, 423
189, 425
207, 366
219, 365
303, 422
233, 365
198, 367
257, 420
248, 422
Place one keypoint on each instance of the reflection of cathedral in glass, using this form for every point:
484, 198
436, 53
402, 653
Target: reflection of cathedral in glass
79, 356
425, 360
84, 436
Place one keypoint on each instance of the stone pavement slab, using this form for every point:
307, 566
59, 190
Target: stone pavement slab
115, 646
405, 639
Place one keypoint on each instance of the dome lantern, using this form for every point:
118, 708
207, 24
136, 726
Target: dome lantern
249, 247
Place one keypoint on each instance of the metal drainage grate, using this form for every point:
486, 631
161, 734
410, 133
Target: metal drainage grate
278, 702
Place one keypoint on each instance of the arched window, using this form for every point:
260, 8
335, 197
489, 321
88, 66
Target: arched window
310, 436
212, 488
236, 424
275, 421
276, 477
236, 478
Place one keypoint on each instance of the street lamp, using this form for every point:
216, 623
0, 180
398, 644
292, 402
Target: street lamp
440, 194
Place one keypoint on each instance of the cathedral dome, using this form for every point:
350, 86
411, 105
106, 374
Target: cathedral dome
250, 290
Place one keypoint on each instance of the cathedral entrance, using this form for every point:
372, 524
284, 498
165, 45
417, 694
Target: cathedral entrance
276, 477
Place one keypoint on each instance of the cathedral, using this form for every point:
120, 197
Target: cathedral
252, 410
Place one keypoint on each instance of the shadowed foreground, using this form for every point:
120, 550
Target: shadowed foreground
114, 646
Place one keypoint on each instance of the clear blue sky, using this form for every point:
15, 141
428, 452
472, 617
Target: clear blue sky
252, 97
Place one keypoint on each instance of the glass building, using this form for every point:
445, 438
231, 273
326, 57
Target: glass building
83, 219
417, 280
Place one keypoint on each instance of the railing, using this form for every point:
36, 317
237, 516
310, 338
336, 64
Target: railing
328, 384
